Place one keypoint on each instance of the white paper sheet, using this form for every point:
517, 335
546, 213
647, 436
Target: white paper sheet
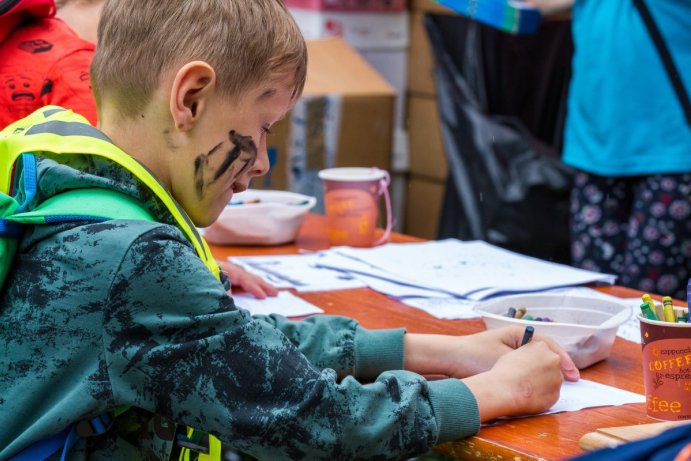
585, 394
444, 308
286, 304
475, 269
298, 271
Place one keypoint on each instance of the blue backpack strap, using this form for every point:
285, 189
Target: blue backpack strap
65, 440
11, 231
44, 448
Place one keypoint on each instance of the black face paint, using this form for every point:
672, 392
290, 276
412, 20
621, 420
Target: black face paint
240, 144
200, 164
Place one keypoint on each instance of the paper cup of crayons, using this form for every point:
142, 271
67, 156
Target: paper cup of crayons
666, 343
585, 327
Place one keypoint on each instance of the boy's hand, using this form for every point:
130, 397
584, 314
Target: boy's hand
252, 283
523, 382
463, 356
484, 349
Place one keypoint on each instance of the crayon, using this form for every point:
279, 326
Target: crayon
512, 312
528, 335
521, 312
681, 314
648, 312
245, 202
668, 309
657, 308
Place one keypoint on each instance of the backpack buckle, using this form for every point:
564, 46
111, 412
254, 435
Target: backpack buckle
95, 426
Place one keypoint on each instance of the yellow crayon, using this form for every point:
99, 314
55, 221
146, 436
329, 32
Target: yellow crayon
668, 308
656, 307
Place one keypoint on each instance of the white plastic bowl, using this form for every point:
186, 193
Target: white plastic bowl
260, 217
584, 327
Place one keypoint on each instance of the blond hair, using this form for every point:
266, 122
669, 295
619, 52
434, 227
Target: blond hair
245, 41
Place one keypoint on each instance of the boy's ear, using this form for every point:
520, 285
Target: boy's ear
193, 85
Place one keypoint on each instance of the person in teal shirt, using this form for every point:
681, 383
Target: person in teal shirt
127, 313
629, 138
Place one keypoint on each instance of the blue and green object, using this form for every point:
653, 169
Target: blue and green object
512, 16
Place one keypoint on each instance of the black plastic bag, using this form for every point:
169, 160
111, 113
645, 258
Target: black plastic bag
506, 185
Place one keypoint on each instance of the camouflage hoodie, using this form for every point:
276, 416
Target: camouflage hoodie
97, 315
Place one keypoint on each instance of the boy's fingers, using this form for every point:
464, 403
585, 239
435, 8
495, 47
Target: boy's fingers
568, 368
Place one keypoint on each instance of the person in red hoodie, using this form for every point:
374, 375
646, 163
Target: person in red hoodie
42, 61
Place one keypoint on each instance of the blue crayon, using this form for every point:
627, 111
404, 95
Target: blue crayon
528, 335
512, 312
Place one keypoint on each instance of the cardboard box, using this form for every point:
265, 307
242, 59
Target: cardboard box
424, 205
420, 58
344, 118
427, 153
363, 31
392, 64
388, 6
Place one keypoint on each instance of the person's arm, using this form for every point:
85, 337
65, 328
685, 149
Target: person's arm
551, 7
177, 346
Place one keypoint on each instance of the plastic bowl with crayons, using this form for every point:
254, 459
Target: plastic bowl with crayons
585, 327
260, 217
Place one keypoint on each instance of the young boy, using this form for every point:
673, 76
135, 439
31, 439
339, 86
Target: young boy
58, 73
97, 316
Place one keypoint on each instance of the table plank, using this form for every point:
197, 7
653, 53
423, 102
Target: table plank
548, 437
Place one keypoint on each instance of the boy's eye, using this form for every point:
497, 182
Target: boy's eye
266, 130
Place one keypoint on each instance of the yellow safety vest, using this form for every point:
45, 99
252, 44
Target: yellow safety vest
55, 131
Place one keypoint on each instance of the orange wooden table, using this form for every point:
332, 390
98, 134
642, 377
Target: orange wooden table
549, 437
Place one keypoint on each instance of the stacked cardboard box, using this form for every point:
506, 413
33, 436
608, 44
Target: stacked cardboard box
378, 30
428, 167
344, 118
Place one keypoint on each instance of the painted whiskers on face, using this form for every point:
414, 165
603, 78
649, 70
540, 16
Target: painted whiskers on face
203, 169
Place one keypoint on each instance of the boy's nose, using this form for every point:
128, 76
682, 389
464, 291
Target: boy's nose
261, 165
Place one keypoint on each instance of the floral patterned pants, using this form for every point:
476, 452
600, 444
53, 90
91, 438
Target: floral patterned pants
638, 228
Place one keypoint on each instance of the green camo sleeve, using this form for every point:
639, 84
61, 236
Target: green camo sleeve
343, 345
177, 346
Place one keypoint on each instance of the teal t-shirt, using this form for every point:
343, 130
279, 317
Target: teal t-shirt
624, 118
